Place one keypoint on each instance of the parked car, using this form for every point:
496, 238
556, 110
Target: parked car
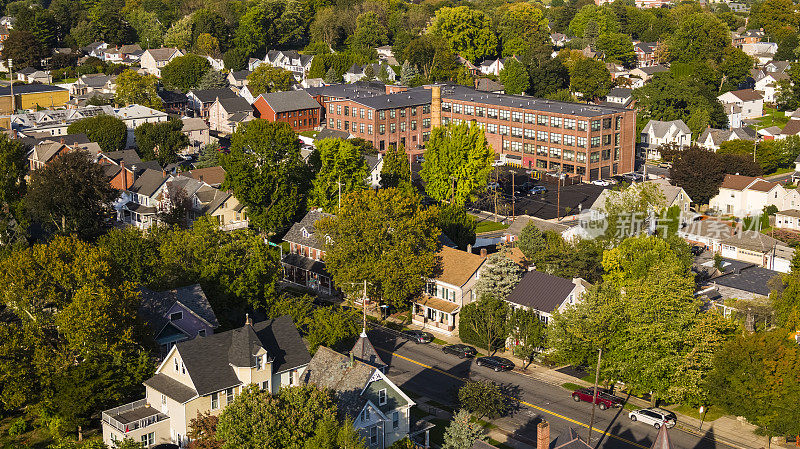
498, 163
697, 250
523, 187
496, 363
418, 337
601, 182
655, 417
538, 189
665, 165
460, 350
604, 398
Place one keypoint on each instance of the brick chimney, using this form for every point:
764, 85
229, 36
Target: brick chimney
124, 175
543, 435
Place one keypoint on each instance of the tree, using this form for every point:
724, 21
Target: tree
24, 49
527, 332
759, 374
265, 172
149, 29
514, 77
499, 276
405, 443
457, 163
185, 72
343, 170
108, 131
484, 322
462, 432
207, 45
69, 349
604, 19
668, 96
776, 17
369, 33
617, 47
548, 77
457, 225
466, 30
786, 48
235, 59
160, 141
591, 78
135, 88
698, 172
332, 77
213, 79
333, 327
786, 299
396, 170
522, 21
483, 398
735, 67
266, 78
531, 241
699, 37
291, 419
408, 73
209, 155
385, 238
71, 195
179, 35
13, 168
203, 432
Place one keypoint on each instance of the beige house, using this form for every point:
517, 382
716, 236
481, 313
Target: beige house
226, 113
746, 195
154, 59
197, 131
442, 298
206, 374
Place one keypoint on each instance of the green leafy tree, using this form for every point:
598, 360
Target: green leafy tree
548, 77
396, 170
13, 185
385, 238
462, 433
524, 22
207, 45
484, 322
617, 47
332, 77
457, 225
408, 73
149, 29
514, 77
235, 59
531, 241
185, 72
405, 443
499, 276
735, 67
70, 195
370, 32
265, 172
179, 35
213, 79
108, 131
24, 49
467, 31
483, 398
591, 78
342, 170
786, 48
668, 96
786, 299
604, 19
699, 37
209, 155
160, 141
334, 327
777, 17
527, 332
457, 163
135, 88
266, 78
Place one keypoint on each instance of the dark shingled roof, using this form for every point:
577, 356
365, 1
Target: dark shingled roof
569, 439
148, 182
365, 352
155, 305
235, 104
208, 359
211, 95
541, 291
291, 100
295, 233
328, 133
20, 89
171, 388
130, 157
329, 369
750, 279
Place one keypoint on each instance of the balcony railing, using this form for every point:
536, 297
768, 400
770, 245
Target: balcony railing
138, 413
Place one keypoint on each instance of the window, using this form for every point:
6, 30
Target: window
149, 439
338, 124
555, 166
569, 123
555, 152
339, 109
503, 130
229, 395
469, 109
365, 414
569, 140
491, 128
529, 118
446, 107
392, 113
618, 122
395, 420
607, 123
176, 316
330, 109
381, 129
402, 126
529, 148
607, 139
457, 108
403, 112
555, 138
606, 154
595, 125
541, 151
530, 134
555, 122
413, 125
361, 112
347, 110
382, 396
595, 141
480, 112
445, 121
541, 136
581, 142
580, 156
259, 362
369, 130
382, 115
457, 121
361, 128
292, 375
582, 125
569, 155
346, 125
426, 123
515, 146
426, 109
265, 385
392, 127
163, 399
330, 122
373, 435
369, 114
540, 163
426, 136
516, 132
492, 113
516, 116
542, 120
214, 401
616, 139
594, 157
177, 364
201, 333
414, 110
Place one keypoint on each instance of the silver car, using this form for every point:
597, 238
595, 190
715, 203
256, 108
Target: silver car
655, 417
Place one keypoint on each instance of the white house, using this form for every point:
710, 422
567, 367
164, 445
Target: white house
289, 60
712, 138
734, 114
134, 115
657, 133
154, 59
768, 85
751, 102
788, 219
374, 165
745, 195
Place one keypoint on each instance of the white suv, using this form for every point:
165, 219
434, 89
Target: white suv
656, 417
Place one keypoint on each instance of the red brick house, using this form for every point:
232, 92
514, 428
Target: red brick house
295, 107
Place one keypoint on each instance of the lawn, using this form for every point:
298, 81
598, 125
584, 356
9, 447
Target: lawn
782, 171
712, 413
489, 226
571, 386
772, 117
311, 134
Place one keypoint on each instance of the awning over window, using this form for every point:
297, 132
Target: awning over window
438, 304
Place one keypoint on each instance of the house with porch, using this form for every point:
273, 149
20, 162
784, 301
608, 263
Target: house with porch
304, 265
204, 375
378, 408
546, 294
442, 298
177, 315
657, 133
226, 113
751, 102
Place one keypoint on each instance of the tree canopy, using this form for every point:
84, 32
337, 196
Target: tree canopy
108, 131
185, 72
342, 170
266, 78
467, 31
135, 88
160, 141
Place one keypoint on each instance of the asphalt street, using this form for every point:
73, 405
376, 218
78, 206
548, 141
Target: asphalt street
427, 371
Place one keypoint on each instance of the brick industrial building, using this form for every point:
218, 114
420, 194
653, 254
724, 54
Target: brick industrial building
583, 140
295, 107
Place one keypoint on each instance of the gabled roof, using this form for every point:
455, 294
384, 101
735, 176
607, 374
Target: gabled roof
737, 182
792, 128
330, 133
291, 100
162, 54
303, 231
193, 124
488, 85
372, 161
171, 388
235, 104
240, 75
155, 306
211, 95
213, 176
746, 95
521, 221
662, 438
129, 157
541, 291
763, 186
208, 359
661, 129
365, 352
569, 439
148, 182
458, 266
45, 151
172, 96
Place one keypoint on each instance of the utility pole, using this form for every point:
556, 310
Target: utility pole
513, 194
364, 303
558, 198
339, 183
594, 399
496, 188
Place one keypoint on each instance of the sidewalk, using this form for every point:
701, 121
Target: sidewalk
727, 429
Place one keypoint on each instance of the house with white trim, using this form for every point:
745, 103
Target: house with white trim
751, 102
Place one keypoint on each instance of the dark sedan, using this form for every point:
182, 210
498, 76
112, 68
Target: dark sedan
462, 351
496, 363
418, 337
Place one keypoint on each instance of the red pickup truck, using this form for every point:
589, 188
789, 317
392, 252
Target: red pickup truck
604, 398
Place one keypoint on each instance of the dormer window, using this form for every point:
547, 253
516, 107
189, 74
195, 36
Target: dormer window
305, 233
259, 362
382, 396
176, 316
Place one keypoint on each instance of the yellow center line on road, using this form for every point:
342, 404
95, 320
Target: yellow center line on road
549, 412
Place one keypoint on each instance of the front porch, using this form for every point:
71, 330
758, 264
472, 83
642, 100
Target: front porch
137, 421
435, 314
135, 214
309, 273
